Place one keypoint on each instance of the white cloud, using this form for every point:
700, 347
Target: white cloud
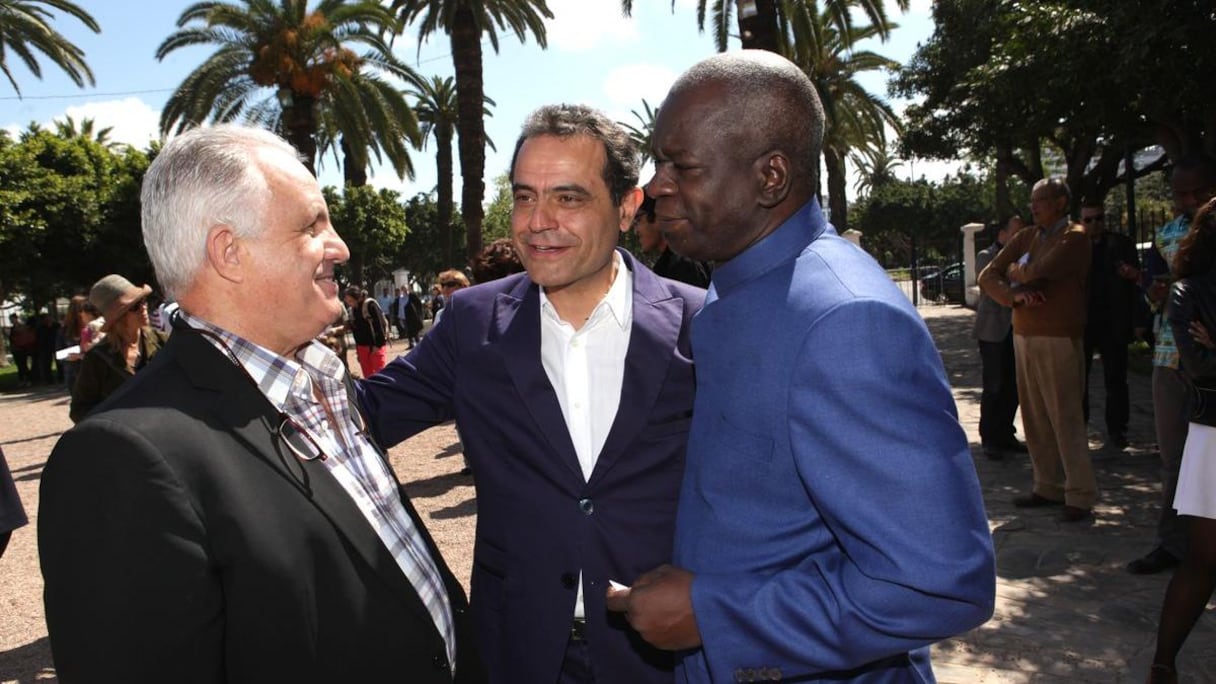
628, 85
131, 119
582, 25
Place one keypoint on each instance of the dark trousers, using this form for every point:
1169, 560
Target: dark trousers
24, 361
1114, 379
999, 399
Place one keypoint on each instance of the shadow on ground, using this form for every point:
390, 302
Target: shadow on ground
28, 663
1067, 611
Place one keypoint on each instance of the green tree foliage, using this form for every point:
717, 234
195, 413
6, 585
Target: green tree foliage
898, 212
25, 29
424, 250
644, 131
498, 215
286, 67
69, 214
761, 27
465, 22
1012, 81
373, 223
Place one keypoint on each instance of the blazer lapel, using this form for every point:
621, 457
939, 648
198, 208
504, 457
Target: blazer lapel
241, 408
517, 326
654, 334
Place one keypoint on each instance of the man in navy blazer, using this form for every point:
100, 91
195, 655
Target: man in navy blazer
830, 524
572, 386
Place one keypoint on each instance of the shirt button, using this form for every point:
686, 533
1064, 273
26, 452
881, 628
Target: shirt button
440, 662
586, 506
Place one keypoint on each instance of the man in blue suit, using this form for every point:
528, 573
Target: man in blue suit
572, 386
830, 524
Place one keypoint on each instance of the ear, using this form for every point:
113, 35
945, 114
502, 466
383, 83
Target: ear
629, 207
224, 253
774, 171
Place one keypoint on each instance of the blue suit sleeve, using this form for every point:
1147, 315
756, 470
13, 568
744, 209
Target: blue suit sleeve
413, 392
907, 556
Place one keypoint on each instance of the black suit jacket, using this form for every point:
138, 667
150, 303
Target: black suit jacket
181, 542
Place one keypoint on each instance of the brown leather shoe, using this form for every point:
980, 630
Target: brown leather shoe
1035, 501
1074, 514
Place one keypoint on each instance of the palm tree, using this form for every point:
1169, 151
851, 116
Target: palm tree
436, 108
875, 166
278, 64
854, 117
762, 28
465, 21
68, 128
364, 116
25, 28
644, 131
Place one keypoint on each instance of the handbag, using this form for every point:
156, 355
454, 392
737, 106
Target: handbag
1203, 405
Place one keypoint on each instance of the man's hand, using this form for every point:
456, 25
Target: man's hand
1200, 335
1013, 272
659, 607
1029, 298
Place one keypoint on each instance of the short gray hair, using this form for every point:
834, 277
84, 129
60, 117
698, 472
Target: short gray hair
772, 103
204, 177
622, 166
1057, 185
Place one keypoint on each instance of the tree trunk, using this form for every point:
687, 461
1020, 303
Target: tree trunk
354, 170
1004, 205
300, 126
837, 197
443, 165
470, 106
758, 24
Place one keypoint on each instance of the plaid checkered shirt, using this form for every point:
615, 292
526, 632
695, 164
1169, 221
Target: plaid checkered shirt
357, 465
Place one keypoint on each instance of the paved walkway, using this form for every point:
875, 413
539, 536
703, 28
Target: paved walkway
1066, 610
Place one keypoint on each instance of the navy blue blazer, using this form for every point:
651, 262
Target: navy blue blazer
538, 521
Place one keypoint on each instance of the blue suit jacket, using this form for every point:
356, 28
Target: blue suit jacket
830, 508
538, 522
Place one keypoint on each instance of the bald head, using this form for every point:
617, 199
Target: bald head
767, 103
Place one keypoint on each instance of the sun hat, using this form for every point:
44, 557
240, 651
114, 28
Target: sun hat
113, 295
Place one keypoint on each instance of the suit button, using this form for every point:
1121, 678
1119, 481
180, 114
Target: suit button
586, 506
440, 662
569, 580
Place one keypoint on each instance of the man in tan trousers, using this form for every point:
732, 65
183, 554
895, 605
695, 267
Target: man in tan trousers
1042, 274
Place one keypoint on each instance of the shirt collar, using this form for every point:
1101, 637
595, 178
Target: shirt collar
616, 300
1055, 228
279, 378
783, 244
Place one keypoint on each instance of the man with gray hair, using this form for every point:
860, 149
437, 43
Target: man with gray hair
572, 387
224, 517
1042, 273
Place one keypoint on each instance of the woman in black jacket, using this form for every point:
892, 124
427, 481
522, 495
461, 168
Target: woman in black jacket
1192, 314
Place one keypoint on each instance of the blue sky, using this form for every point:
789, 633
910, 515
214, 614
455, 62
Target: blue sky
595, 56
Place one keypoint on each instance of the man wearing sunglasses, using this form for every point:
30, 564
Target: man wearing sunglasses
223, 517
572, 386
1114, 272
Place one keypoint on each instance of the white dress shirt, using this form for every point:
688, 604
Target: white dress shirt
587, 367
